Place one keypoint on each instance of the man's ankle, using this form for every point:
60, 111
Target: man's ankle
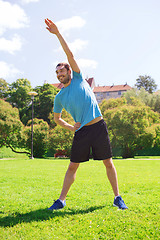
116, 196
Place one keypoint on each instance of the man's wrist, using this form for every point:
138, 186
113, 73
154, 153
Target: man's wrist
58, 34
68, 127
71, 128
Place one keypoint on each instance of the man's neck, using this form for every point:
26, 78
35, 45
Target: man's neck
67, 84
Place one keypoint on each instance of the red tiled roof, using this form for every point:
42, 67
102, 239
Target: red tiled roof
113, 88
58, 85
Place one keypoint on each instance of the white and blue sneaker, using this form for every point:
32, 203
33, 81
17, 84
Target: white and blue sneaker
118, 202
58, 204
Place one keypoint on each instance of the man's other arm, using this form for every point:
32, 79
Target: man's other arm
58, 120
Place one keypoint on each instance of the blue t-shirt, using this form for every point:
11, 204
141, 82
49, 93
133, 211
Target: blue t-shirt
79, 100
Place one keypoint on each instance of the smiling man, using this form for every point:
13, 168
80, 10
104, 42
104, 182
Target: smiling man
90, 129
62, 73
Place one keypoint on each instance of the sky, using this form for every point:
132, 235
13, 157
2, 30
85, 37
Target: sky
112, 41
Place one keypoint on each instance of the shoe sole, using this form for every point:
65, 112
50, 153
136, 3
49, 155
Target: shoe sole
55, 209
119, 207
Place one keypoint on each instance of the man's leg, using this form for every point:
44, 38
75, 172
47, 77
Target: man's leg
69, 179
112, 175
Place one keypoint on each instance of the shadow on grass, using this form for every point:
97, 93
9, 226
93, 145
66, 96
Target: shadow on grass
42, 215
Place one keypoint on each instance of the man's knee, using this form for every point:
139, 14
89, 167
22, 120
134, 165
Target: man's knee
108, 163
73, 166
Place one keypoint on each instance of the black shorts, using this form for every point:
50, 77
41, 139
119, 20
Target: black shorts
91, 140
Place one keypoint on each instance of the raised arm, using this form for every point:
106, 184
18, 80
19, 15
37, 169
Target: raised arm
52, 28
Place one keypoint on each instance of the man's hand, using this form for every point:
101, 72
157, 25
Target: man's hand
52, 28
77, 126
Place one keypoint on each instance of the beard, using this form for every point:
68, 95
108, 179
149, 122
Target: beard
64, 79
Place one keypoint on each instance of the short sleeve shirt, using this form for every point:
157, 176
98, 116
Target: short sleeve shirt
79, 100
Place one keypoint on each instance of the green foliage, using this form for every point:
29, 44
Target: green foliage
132, 126
154, 130
60, 140
111, 103
18, 96
6, 153
43, 109
11, 127
28, 187
128, 126
157, 138
18, 93
43, 104
3, 88
151, 100
52, 123
147, 83
40, 137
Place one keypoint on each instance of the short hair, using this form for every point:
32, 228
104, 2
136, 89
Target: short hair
66, 65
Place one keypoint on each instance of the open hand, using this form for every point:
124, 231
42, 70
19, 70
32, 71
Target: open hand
52, 28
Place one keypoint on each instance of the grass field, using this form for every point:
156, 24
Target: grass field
28, 187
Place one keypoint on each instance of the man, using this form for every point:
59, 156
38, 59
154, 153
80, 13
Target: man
90, 129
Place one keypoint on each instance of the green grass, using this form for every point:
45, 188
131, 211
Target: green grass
29, 186
7, 153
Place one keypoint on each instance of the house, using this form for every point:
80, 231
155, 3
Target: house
106, 92
103, 92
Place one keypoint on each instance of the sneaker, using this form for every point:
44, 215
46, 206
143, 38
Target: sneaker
58, 204
118, 202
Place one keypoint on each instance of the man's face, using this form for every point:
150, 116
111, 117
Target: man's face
63, 75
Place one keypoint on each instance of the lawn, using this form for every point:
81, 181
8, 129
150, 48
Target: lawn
28, 187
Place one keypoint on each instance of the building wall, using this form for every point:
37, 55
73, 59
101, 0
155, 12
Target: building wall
107, 95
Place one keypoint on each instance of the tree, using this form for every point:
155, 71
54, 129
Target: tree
157, 103
3, 88
43, 104
127, 126
112, 103
155, 131
151, 100
147, 83
11, 128
18, 95
157, 137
